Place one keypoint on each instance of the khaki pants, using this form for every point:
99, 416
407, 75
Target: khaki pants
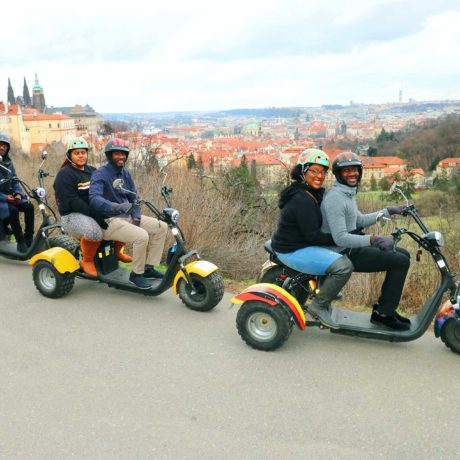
148, 240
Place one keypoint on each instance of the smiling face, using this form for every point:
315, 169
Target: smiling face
79, 157
315, 176
119, 158
350, 175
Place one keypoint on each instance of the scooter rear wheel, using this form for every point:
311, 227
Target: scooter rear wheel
263, 327
450, 335
50, 282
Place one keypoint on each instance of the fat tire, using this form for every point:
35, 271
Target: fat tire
65, 242
250, 311
450, 335
210, 291
272, 275
63, 281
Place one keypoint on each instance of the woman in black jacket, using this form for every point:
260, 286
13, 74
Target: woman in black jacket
298, 240
71, 187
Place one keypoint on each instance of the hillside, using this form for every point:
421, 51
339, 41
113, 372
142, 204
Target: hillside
424, 146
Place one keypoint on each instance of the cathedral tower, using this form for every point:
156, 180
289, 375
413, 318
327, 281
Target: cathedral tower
25, 95
11, 98
38, 97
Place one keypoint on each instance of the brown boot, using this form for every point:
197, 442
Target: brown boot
88, 251
121, 256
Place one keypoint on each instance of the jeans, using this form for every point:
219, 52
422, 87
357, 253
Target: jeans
395, 264
313, 260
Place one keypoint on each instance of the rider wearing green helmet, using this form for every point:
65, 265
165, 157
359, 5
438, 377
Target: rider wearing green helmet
71, 187
298, 240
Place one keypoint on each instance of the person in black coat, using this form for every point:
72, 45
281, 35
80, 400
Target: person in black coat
298, 240
13, 200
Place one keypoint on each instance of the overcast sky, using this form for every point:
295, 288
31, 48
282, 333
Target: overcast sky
146, 56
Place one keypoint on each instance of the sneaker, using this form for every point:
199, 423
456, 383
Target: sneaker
151, 273
139, 281
390, 321
22, 247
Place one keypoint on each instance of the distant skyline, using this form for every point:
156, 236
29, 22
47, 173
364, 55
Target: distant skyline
143, 56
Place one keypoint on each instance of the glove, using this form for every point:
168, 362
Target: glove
396, 209
121, 208
136, 221
385, 243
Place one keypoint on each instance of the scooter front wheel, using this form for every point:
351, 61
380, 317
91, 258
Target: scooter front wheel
262, 326
207, 293
450, 335
50, 282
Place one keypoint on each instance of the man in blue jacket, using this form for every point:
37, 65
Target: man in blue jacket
125, 222
13, 200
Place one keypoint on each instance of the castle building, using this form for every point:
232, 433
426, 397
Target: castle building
38, 97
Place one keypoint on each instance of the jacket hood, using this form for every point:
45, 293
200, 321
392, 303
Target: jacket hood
298, 187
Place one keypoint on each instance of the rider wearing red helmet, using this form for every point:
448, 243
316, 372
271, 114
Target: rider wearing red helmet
125, 222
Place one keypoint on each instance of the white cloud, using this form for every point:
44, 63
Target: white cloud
205, 55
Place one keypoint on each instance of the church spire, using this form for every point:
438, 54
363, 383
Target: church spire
11, 98
38, 97
26, 95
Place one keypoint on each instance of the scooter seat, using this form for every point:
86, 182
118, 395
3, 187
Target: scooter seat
269, 249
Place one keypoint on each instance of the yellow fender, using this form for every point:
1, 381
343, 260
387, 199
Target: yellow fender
199, 267
61, 259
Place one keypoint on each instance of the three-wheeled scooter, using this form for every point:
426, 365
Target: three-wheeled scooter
42, 239
270, 308
198, 283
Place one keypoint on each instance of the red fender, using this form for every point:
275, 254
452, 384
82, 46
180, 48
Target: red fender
272, 295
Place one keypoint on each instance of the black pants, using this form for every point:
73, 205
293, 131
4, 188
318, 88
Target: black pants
29, 216
395, 264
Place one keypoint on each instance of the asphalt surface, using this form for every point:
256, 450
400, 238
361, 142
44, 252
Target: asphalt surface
109, 374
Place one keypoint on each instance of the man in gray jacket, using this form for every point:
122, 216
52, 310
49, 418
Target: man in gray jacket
368, 253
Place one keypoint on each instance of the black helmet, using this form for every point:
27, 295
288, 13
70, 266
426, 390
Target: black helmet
116, 144
6, 140
344, 160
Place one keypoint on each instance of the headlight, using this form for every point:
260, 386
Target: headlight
41, 192
437, 238
173, 214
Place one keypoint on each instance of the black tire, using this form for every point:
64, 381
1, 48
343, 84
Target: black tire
263, 327
209, 291
450, 335
66, 242
50, 282
273, 276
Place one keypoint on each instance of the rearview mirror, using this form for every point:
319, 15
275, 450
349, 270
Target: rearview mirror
118, 184
393, 187
44, 154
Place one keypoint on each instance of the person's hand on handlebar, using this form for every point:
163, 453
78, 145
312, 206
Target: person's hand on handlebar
385, 243
16, 199
396, 209
122, 208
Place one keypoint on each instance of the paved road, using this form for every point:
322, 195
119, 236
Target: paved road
106, 374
